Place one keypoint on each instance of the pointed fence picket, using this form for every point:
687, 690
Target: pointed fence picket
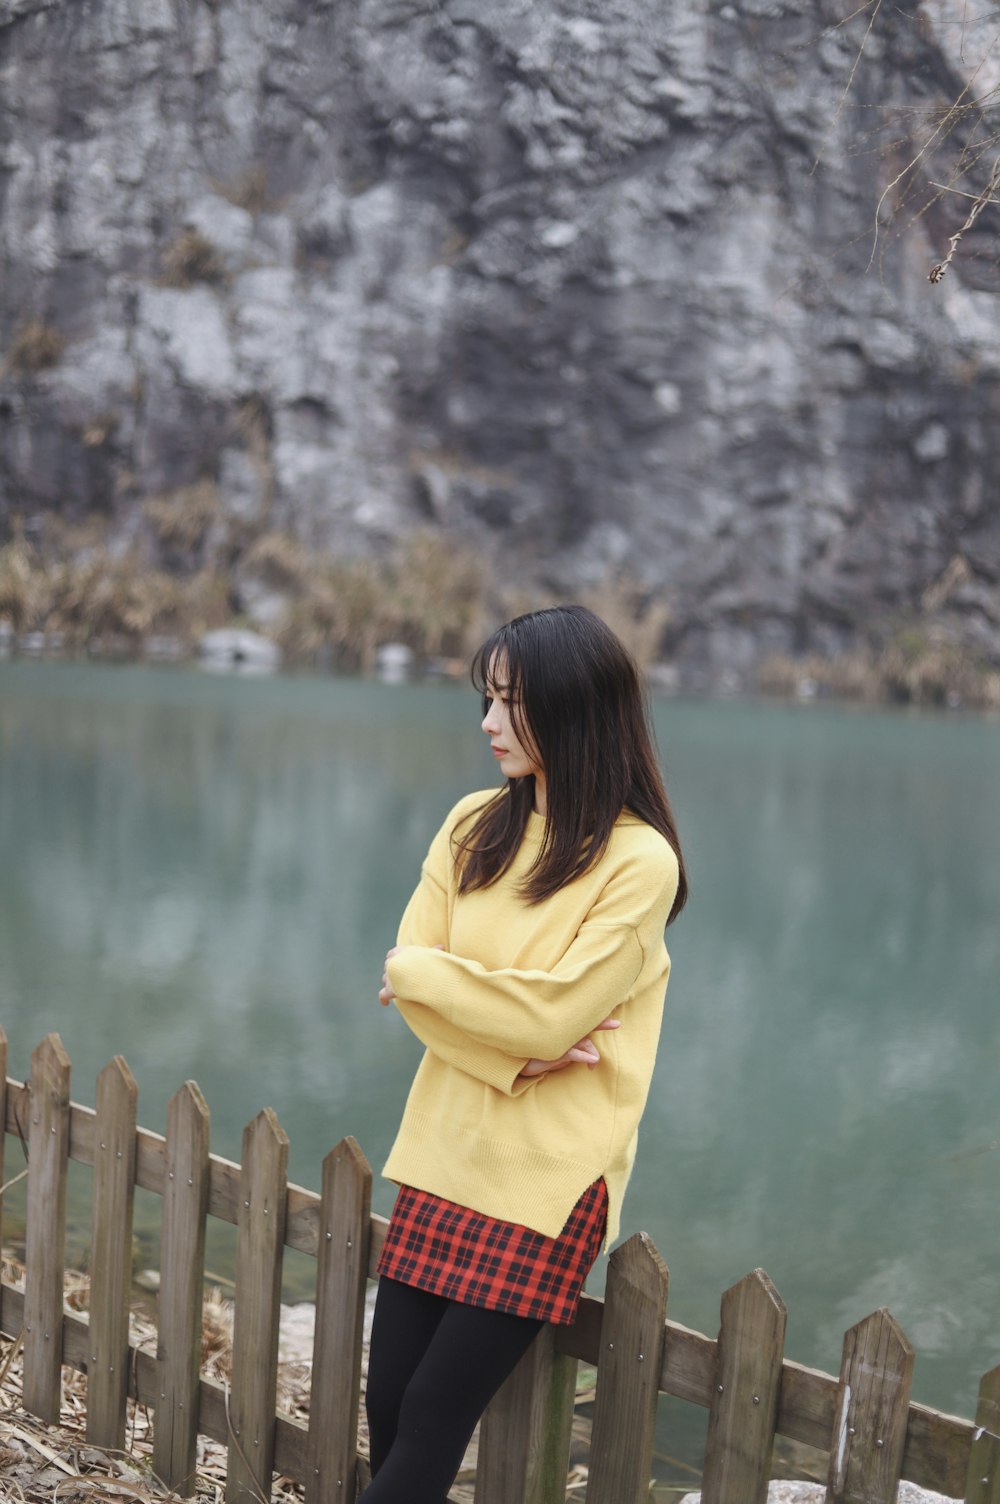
341, 1277
628, 1373
45, 1234
111, 1255
182, 1284
983, 1483
745, 1395
260, 1243
866, 1460
863, 1419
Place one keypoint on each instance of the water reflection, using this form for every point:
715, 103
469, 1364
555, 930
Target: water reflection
204, 873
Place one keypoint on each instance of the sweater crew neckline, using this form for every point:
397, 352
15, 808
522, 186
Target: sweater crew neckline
535, 828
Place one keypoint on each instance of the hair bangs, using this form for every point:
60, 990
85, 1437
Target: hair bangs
499, 664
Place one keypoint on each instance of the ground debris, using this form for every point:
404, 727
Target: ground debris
43, 1464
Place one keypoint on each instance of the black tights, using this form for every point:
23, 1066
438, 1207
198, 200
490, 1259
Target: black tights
433, 1367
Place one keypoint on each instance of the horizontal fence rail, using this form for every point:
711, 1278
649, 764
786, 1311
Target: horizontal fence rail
864, 1419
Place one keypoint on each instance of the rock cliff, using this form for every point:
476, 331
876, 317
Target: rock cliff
587, 284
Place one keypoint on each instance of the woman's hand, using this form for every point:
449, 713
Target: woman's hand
386, 994
584, 1052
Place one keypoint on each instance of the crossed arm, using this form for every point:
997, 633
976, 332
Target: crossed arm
509, 1026
429, 1027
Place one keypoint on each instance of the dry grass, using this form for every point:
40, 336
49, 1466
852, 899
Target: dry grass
279, 561
344, 610
192, 258
438, 592
432, 594
42, 1464
914, 667
36, 347
639, 619
181, 519
90, 593
252, 421
23, 585
249, 191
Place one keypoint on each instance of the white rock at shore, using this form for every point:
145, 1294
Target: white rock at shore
298, 1324
814, 1493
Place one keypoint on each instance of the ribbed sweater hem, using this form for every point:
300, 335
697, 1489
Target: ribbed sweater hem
516, 1182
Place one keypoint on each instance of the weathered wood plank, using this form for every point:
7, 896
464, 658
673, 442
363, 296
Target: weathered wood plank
582, 1340
866, 1448
182, 1279
524, 1437
260, 1236
45, 1239
628, 1374
303, 1210
806, 1405
983, 1483
341, 1278
745, 1399
111, 1254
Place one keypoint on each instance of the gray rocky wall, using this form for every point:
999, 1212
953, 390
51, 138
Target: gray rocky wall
588, 285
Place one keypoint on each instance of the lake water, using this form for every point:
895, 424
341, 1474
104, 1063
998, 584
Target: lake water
203, 874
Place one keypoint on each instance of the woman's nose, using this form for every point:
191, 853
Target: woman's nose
490, 722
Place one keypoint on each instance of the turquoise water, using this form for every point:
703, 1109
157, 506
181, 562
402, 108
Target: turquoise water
203, 873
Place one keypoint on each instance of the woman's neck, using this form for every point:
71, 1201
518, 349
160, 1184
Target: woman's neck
539, 804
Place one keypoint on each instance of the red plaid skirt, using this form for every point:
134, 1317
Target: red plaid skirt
480, 1261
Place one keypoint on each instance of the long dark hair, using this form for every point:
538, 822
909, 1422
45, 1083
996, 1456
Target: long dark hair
576, 700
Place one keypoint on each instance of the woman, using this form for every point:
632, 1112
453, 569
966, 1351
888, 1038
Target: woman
530, 962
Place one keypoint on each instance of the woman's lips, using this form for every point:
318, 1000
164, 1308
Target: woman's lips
499, 751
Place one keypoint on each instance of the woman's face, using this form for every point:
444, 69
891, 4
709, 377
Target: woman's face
516, 760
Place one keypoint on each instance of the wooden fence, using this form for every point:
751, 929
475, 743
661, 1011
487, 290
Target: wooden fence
863, 1418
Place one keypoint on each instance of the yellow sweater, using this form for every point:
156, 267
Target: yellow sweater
516, 981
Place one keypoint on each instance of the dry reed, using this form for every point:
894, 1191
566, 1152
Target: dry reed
192, 258
35, 347
912, 668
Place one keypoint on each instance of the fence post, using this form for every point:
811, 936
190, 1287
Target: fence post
866, 1449
260, 1237
525, 1434
45, 1235
341, 1280
111, 1254
745, 1396
628, 1372
182, 1280
983, 1486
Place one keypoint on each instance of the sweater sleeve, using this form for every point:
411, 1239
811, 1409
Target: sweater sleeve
541, 1013
492, 1066
425, 923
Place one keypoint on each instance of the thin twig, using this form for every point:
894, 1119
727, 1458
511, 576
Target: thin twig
982, 199
847, 87
8, 1361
